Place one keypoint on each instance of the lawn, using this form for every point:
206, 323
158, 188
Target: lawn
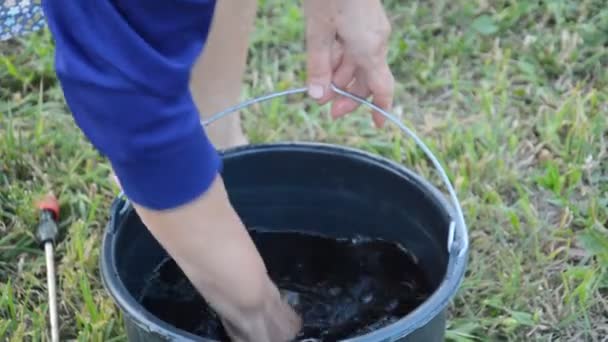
512, 96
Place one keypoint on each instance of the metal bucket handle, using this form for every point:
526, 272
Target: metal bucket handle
458, 239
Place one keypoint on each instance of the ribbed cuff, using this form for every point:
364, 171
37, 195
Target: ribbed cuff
172, 179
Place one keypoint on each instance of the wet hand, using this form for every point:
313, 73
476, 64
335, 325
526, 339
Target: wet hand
274, 321
347, 43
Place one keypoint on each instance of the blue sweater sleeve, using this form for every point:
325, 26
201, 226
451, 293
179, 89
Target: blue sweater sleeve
124, 67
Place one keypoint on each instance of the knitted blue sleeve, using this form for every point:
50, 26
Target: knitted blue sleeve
124, 67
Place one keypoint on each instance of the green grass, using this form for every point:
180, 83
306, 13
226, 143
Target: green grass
511, 95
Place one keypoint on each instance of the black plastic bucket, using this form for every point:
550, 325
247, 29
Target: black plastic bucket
313, 187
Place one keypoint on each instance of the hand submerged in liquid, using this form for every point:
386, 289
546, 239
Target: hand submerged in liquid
275, 321
340, 288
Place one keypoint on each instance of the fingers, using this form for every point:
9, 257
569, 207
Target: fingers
319, 41
382, 85
344, 105
345, 73
344, 69
377, 81
337, 55
276, 321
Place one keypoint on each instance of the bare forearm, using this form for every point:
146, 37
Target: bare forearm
208, 240
211, 245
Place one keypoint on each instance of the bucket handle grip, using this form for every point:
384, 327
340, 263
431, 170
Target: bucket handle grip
458, 240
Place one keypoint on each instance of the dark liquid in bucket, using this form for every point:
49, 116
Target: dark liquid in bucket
341, 287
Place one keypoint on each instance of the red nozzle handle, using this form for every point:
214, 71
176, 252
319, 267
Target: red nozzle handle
49, 203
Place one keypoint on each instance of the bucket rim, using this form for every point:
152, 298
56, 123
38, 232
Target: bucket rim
415, 319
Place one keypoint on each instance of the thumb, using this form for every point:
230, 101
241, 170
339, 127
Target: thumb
319, 39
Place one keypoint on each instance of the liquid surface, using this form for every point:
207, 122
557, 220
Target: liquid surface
341, 287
